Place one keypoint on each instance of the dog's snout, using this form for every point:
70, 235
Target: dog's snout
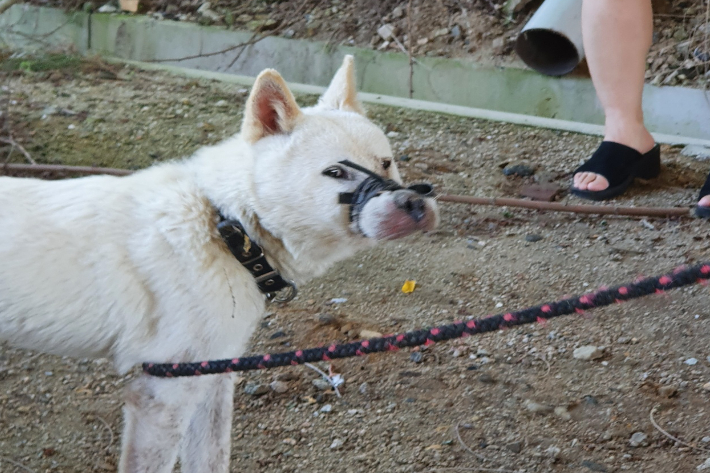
412, 203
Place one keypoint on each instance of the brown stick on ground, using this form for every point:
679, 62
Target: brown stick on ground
581, 209
460, 199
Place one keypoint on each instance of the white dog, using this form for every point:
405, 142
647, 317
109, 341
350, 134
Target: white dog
135, 268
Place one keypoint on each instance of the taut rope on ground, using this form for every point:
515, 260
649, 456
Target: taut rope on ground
682, 276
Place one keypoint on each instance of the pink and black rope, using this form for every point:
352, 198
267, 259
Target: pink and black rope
683, 276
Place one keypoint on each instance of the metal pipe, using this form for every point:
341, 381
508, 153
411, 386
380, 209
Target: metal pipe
551, 42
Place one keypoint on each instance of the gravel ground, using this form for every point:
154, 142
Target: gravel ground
516, 400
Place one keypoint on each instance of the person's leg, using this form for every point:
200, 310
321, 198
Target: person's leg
617, 35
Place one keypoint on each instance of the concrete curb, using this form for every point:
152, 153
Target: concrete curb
677, 115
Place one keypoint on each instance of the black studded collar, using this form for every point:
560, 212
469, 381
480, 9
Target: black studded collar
252, 257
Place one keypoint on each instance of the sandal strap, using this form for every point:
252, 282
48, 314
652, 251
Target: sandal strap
614, 161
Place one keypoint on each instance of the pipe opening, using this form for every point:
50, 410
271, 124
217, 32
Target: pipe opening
547, 51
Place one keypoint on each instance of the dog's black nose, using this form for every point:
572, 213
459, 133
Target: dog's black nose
411, 203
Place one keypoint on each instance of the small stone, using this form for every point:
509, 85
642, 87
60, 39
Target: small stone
386, 31
279, 387
456, 32
704, 466
638, 439
532, 238
705, 439
288, 376
370, 334
515, 447
706, 386
537, 408
542, 192
440, 32
108, 8
278, 334
321, 384
392, 134
594, 466
553, 452
337, 443
520, 170
668, 391
327, 408
485, 378
422, 166
325, 319
398, 12
623, 340
587, 352
691, 361
289, 441
363, 388
562, 413
422, 41
698, 152
254, 389
221, 103
416, 357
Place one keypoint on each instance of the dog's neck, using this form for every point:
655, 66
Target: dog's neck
235, 201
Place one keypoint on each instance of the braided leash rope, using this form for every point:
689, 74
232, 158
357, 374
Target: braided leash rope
682, 276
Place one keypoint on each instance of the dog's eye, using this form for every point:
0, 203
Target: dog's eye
386, 163
335, 172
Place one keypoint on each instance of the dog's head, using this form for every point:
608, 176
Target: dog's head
325, 181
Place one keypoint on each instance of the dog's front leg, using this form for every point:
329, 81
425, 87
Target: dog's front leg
207, 441
156, 415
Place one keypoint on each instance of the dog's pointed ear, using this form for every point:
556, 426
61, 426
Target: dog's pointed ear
271, 108
342, 91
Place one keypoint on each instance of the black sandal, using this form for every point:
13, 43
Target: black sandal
703, 211
620, 165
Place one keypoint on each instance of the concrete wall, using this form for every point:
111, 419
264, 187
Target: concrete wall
668, 110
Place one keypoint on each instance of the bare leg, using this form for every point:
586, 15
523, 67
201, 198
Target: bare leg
207, 442
156, 416
617, 35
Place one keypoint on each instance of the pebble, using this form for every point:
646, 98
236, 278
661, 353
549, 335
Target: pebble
386, 31
706, 386
108, 8
416, 357
325, 318
254, 389
532, 238
691, 361
327, 408
668, 391
704, 466
338, 300
587, 352
562, 413
363, 388
638, 439
278, 334
321, 384
486, 379
594, 466
537, 408
370, 334
221, 103
279, 387
515, 447
705, 439
337, 443
520, 170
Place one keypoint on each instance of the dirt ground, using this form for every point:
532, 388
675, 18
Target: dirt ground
511, 401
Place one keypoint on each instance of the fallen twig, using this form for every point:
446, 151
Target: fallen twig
39, 168
675, 439
15, 145
17, 464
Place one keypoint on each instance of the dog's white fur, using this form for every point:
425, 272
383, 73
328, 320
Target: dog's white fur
133, 268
